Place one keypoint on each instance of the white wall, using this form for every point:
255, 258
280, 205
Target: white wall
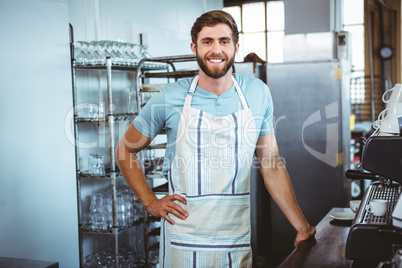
165, 24
38, 205
38, 190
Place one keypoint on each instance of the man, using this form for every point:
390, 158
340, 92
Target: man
215, 123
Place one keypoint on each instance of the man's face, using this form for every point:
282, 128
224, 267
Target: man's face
215, 50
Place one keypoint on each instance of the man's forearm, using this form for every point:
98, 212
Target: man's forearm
131, 143
278, 184
134, 176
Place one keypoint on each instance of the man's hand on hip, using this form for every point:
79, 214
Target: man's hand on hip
161, 207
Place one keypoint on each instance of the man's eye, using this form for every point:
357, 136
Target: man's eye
225, 42
207, 42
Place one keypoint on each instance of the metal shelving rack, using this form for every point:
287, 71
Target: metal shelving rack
110, 174
158, 67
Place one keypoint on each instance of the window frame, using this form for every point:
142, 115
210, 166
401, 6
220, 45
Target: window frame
265, 31
357, 95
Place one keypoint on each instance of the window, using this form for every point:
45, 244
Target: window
353, 22
261, 29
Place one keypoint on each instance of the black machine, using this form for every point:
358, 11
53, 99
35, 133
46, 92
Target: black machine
373, 237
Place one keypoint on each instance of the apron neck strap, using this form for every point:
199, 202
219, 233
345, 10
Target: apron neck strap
193, 84
240, 92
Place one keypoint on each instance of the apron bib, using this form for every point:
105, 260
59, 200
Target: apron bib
211, 170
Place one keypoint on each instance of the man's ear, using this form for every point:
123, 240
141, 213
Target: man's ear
194, 48
237, 48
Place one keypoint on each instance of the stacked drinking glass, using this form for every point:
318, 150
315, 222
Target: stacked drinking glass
94, 53
100, 216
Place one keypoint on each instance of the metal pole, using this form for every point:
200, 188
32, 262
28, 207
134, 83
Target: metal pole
112, 157
77, 160
368, 12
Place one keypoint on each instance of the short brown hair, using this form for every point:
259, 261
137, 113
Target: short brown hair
212, 18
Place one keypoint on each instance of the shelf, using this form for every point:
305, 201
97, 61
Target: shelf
161, 188
86, 175
117, 118
154, 247
156, 146
176, 74
172, 59
109, 231
155, 232
154, 262
154, 176
118, 67
146, 88
153, 219
153, 168
154, 162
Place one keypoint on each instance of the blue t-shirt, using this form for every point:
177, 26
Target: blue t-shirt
164, 109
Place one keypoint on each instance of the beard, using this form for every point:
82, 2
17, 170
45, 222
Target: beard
215, 72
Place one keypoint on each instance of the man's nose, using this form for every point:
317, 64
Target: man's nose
216, 47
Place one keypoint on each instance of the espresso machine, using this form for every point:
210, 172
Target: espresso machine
378, 237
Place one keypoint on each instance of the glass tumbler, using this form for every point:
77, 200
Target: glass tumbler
96, 165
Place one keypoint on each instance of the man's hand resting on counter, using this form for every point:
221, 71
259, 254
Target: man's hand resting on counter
301, 236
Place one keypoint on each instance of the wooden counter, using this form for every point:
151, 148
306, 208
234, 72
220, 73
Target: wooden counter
328, 248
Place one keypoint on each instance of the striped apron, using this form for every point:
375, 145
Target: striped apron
211, 170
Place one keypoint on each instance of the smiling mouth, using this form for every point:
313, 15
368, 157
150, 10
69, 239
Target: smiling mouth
216, 60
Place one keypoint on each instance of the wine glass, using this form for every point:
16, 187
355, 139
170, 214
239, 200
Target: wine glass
126, 54
145, 54
110, 50
128, 201
96, 165
96, 57
87, 221
96, 208
120, 49
134, 58
118, 58
137, 207
105, 52
144, 51
141, 55
108, 210
82, 57
90, 53
121, 211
